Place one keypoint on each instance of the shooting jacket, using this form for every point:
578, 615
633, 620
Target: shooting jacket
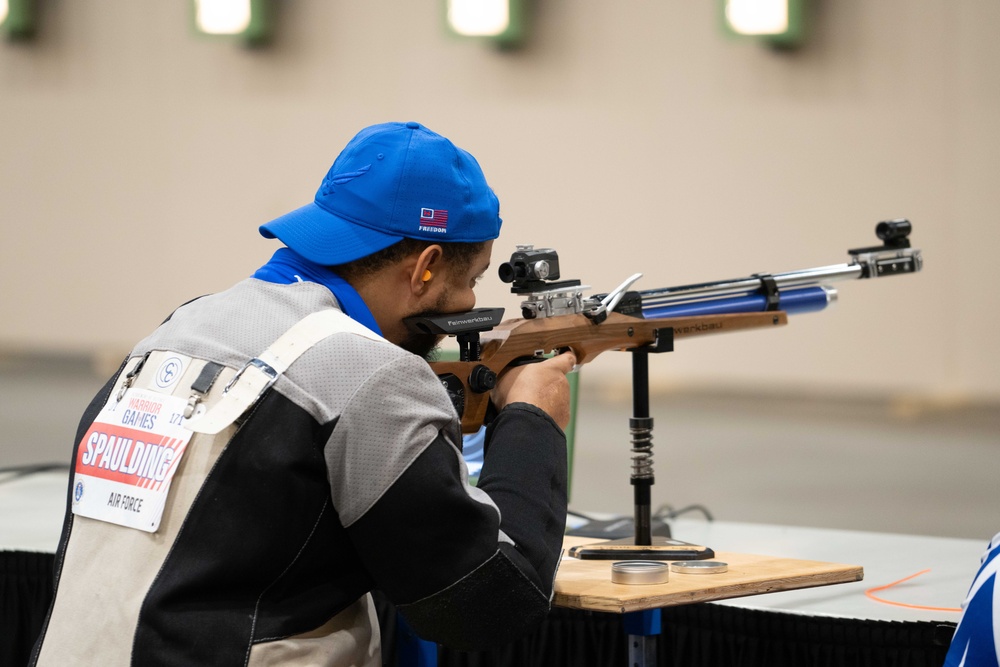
345, 476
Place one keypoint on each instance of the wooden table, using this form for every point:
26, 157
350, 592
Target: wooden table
586, 584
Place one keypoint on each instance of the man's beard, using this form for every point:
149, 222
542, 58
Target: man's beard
421, 344
424, 344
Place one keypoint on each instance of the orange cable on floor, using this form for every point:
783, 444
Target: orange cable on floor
871, 594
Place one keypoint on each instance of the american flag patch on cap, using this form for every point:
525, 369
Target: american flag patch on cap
432, 219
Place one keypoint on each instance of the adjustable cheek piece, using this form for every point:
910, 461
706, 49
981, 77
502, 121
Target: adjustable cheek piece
466, 327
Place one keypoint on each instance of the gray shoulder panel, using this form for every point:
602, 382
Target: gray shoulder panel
391, 418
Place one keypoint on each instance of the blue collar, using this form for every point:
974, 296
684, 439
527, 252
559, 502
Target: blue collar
286, 267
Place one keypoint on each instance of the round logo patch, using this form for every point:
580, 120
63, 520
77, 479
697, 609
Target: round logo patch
78, 491
169, 372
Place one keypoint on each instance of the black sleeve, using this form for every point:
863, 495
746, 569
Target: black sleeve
461, 572
524, 472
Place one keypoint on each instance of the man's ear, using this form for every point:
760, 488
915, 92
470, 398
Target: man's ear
427, 268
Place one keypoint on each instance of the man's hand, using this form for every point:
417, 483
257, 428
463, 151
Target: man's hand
542, 384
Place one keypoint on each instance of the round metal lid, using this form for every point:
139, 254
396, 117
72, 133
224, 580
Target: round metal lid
639, 572
699, 567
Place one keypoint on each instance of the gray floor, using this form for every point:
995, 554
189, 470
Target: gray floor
808, 461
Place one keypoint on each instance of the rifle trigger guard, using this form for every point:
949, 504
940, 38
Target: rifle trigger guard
522, 361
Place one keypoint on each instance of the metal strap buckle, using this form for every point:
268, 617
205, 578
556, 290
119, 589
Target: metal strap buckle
263, 367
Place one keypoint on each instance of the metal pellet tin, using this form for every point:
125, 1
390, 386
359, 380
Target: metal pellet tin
639, 572
699, 567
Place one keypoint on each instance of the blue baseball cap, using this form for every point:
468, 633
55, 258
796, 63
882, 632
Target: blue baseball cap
392, 181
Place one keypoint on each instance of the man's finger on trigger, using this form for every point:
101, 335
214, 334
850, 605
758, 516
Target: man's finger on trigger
567, 359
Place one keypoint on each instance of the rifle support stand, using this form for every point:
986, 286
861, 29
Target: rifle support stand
643, 545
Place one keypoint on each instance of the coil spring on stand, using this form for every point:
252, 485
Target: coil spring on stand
642, 447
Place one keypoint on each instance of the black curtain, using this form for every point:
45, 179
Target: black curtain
707, 635
25, 594
697, 635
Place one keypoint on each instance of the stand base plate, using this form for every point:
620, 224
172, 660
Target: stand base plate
662, 548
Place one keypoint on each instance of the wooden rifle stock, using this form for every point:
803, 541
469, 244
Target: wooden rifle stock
519, 338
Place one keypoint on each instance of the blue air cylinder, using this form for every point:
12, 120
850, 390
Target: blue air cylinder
792, 301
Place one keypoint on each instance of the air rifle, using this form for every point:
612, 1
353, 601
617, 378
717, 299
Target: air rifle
556, 315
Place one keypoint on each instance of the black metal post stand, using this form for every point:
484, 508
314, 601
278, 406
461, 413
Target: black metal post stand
641, 428
643, 545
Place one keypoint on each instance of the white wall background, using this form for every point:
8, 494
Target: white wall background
137, 160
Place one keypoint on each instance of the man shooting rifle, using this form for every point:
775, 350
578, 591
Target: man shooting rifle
306, 454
